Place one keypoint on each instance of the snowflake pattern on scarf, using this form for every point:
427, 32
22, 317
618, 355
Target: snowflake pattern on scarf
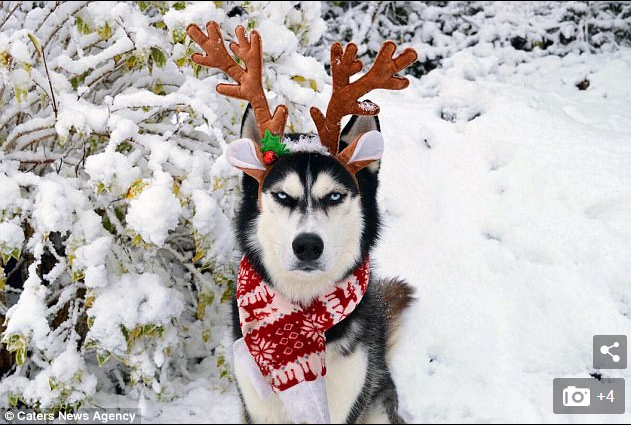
286, 340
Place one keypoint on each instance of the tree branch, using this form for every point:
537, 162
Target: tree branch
17, 5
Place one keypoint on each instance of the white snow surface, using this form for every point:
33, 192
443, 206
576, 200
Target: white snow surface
113, 169
11, 237
154, 213
514, 229
510, 217
69, 366
9, 192
26, 317
132, 300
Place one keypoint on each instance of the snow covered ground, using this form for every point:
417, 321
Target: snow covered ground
514, 227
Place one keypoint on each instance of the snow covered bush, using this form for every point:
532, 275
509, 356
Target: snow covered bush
115, 203
439, 29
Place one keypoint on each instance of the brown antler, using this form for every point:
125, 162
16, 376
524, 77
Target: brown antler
345, 96
249, 85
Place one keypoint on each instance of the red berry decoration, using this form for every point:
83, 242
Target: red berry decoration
272, 148
269, 157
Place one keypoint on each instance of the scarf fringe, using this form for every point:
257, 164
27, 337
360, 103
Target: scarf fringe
307, 368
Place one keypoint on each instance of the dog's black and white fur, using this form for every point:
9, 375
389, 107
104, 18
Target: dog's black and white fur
312, 193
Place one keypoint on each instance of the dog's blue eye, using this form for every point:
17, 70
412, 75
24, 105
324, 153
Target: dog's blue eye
334, 198
284, 199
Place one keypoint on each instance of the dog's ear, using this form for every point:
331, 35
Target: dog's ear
244, 154
363, 151
358, 125
249, 127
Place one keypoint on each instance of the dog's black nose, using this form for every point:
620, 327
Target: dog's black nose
308, 246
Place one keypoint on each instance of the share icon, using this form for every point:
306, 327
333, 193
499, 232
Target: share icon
605, 350
610, 351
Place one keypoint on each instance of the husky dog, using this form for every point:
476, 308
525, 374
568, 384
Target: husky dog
312, 226
307, 222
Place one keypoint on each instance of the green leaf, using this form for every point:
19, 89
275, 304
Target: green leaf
78, 275
124, 147
206, 335
125, 332
227, 295
105, 31
205, 299
77, 80
107, 225
196, 69
20, 356
137, 241
82, 26
304, 82
120, 213
199, 254
13, 399
158, 89
131, 62
21, 94
15, 342
100, 188
181, 61
179, 37
35, 42
158, 57
136, 189
273, 143
102, 357
89, 344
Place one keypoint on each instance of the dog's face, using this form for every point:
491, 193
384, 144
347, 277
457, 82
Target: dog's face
310, 225
313, 224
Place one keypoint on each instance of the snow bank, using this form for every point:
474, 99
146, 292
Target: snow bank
512, 224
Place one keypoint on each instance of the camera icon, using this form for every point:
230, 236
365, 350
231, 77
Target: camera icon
576, 397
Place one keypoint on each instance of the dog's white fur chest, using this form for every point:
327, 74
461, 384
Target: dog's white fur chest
345, 379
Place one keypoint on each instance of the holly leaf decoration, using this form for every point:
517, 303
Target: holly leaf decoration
273, 143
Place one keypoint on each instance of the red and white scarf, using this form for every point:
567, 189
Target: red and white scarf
285, 339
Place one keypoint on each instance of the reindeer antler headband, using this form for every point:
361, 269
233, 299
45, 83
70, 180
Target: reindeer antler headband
344, 98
